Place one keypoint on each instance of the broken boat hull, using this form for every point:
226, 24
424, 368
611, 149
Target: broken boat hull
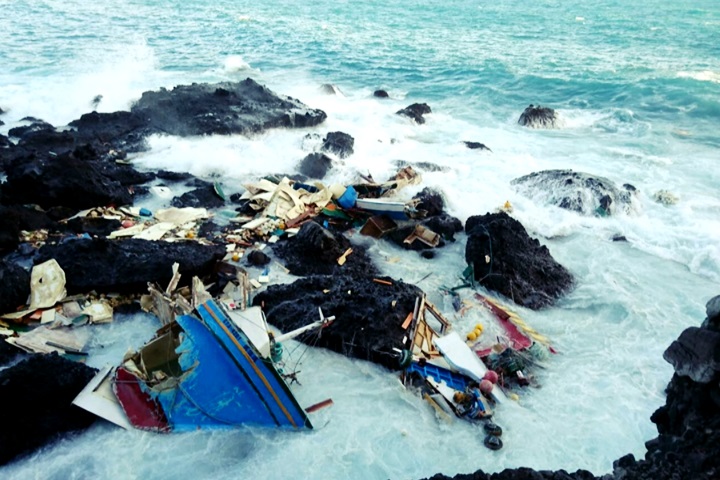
203, 372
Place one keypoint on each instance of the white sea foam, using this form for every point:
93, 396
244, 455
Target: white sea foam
703, 76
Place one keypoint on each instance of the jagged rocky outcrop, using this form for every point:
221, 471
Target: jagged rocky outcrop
126, 266
338, 143
16, 218
64, 180
539, 117
36, 397
224, 108
315, 250
416, 112
368, 314
14, 286
577, 191
507, 260
522, 473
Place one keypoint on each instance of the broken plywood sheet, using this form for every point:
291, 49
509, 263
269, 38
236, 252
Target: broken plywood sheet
181, 216
155, 232
128, 232
47, 340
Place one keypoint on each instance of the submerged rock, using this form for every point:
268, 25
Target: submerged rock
507, 260
539, 117
338, 143
477, 146
37, 396
368, 315
315, 165
416, 112
577, 191
126, 266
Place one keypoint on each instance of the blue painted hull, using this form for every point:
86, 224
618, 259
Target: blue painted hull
225, 382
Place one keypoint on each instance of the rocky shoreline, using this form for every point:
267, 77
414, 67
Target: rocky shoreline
68, 196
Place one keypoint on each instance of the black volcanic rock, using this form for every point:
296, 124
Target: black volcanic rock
416, 112
204, 196
315, 251
696, 354
14, 218
225, 108
338, 143
368, 315
577, 191
380, 94
477, 146
123, 130
14, 287
36, 397
35, 126
315, 165
126, 266
539, 117
430, 201
61, 181
257, 258
94, 226
507, 260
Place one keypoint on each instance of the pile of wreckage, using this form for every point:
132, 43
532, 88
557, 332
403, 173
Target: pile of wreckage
467, 377
215, 363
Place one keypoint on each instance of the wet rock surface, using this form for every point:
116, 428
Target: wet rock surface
225, 108
507, 260
315, 165
539, 117
477, 146
416, 112
577, 191
204, 196
368, 315
14, 287
338, 143
36, 397
315, 251
61, 181
126, 266
15, 218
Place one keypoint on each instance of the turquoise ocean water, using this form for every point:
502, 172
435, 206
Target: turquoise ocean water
637, 86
